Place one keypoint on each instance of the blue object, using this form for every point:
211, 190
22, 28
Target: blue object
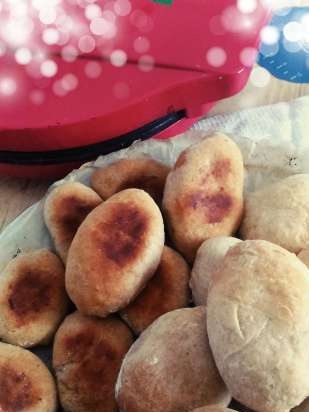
288, 57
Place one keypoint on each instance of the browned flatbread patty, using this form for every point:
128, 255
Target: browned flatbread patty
33, 300
87, 357
115, 252
167, 290
140, 173
26, 385
65, 208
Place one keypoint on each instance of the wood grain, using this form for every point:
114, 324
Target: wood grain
18, 194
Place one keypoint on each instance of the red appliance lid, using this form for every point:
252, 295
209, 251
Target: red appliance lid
120, 65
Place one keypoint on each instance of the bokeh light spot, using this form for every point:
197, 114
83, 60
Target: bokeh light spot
48, 68
141, 44
146, 63
23, 55
248, 56
260, 77
86, 44
216, 56
118, 58
93, 70
8, 86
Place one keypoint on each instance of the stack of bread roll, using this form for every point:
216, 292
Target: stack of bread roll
166, 291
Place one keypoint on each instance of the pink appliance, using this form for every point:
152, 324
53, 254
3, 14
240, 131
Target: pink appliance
91, 77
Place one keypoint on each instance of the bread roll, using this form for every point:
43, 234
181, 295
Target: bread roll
26, 385
115, 252
213, 408
65, 208
258, 325
167, 290
208, 258
170, 367
140, 173
33, 300
203, 195
279, 213
87, 356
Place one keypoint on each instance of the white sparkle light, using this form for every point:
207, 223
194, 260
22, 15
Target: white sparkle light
48, 68
292, 46
146, 63
270, 35
248, 56
58, 89
17, 31
93, 70
259, 77
69, 82
86, 44
92, 11
47, 16
118, 58
69, 53
36, 97
141, 44
50, 36
247, 6
293, 31
8, 86
23, 55
122, 7
103, 27
216, 56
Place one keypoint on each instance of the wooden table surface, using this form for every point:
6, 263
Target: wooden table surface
18, 194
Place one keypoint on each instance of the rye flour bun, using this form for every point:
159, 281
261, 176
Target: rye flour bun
114, 253
87, 356
140, 173
258, 326
65, 208
303, 255
303, 407
33, 300
167, 290
279, 213
26, 385
213, 408
207, 261
170, 367
203, 195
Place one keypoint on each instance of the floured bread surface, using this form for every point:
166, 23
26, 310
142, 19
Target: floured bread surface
115, 252
33, 300
207, 261
26, 385
87, 357
258, 326
303, 255
65, 208
140, 173
279, 213
170, 367
203, 195
167, 290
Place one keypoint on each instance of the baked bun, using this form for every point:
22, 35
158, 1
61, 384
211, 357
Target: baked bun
170, 367
65, 208
33, 300
258, 324
87, 357
26, 385
114, 253
167, 290
203, 195
279, 213
208, 258
213, 408
140, 173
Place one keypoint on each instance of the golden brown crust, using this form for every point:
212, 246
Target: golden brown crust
203, 195
25, 383
257, 319
33, 300
87, 357
140, 173
65, 208
170, 367
167, 290
114, 253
